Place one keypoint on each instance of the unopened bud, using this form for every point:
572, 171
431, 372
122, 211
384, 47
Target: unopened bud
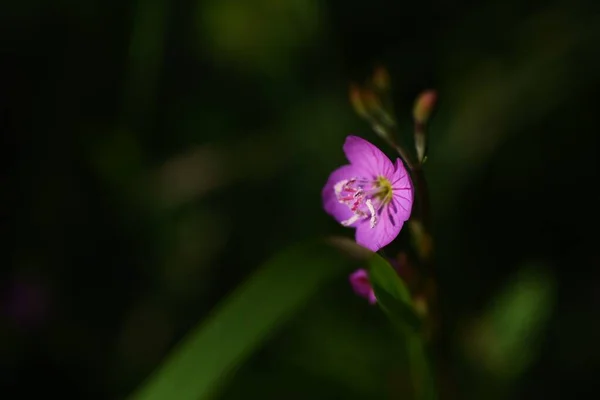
420, 306
422, 240
381, 79
371, 101
356, 99
421, 143
424, 106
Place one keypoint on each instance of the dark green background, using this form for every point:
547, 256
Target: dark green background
157, 152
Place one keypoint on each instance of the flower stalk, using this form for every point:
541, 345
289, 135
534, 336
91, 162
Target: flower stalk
372, 102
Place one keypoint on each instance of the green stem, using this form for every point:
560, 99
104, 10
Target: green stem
420, 370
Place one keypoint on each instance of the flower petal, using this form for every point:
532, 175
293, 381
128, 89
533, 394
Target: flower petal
401, 178
401, 206
367, 157
387, 228
402, 190
332, 206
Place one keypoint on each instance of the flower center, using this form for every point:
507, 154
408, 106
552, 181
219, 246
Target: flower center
364, 197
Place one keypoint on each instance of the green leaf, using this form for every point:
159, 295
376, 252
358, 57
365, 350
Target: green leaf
392, 295
210, 353
395, 300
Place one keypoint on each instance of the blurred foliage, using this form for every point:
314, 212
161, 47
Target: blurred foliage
505, 340
242, 322
158, 152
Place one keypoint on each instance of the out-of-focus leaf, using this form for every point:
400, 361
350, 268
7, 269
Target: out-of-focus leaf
487, 105
238, 326
254, 35
505, 341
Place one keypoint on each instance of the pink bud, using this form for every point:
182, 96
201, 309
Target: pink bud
424, 106
359, 280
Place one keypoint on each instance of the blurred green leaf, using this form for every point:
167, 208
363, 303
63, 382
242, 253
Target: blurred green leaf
238, 326
254, 35
505, 341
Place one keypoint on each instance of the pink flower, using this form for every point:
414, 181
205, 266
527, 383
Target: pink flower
359, 280
370, 194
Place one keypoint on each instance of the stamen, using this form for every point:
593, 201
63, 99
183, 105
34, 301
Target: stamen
351, 220
372, 211
365, 198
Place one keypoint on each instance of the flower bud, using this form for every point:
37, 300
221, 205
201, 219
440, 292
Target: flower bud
381, 79
424, 106
372, 102
356, 99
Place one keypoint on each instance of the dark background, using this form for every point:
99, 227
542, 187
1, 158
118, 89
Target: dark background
156, 153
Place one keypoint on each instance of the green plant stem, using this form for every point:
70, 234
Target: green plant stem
420, 370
